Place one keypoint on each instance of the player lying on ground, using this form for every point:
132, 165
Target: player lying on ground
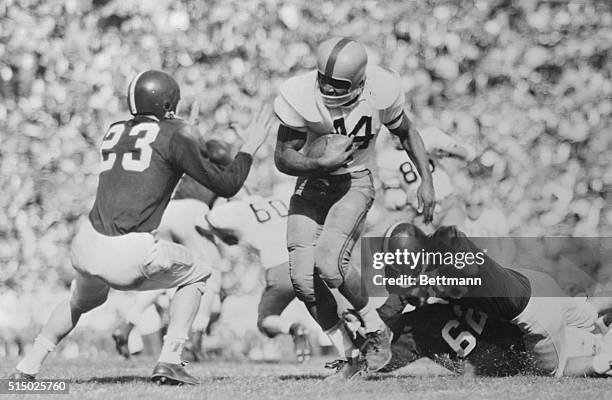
183, 222
142, 160
466, 340
334, 191
261, 223
528, 299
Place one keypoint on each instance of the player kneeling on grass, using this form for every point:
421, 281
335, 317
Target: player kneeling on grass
142, 160
261, 223
526, 298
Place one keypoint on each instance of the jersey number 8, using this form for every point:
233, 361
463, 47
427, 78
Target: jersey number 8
146, 133
409, 172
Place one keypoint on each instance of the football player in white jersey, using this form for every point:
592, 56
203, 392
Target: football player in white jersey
343, 95
400, 179
261, 223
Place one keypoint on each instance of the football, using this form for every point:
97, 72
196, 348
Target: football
319, 146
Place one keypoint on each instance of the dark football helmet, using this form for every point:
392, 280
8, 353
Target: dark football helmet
404, 235
153, 93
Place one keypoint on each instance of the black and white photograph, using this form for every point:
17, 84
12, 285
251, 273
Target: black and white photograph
266, 199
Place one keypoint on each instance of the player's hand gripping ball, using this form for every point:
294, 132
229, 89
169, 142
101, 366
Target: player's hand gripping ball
332, 150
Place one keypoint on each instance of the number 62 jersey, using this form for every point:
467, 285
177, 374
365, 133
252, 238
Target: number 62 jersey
450, 335
300, 107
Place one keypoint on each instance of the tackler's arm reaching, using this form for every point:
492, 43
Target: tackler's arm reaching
225, 181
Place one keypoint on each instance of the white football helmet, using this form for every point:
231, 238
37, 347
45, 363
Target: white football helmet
341, 63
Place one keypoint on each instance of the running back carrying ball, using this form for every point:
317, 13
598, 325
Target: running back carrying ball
327, 144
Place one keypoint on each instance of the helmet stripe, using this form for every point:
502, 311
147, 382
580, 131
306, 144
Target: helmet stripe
131, 98
331, 61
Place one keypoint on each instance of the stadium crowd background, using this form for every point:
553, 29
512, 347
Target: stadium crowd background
527, 83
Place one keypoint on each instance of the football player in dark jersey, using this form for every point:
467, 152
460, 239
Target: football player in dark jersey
142, 160
183, 222
527, 299
454, 337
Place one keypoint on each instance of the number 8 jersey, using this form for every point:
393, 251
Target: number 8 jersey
300, 107
142, 160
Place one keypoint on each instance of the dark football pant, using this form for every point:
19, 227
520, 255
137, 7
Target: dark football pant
326, 217
276, 296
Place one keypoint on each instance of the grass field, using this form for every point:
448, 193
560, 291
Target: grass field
118, 379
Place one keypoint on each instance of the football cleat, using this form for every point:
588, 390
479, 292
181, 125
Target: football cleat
349, 369
17, 375
121, 343
301, 342
341, 65
172, 374
377, 348
153, 93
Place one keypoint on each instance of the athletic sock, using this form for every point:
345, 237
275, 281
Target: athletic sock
370, 317
31, 363
342, 341
172, 350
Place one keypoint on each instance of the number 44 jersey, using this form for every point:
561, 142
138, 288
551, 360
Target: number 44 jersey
142, 160
300, 107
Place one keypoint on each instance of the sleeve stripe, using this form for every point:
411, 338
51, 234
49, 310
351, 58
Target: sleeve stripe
395, 120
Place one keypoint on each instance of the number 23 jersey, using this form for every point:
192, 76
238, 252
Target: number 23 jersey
142, 160
300, 107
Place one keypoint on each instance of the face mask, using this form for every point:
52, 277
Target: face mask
339, 101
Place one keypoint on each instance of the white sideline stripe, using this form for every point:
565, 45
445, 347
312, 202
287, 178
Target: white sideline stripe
131, 89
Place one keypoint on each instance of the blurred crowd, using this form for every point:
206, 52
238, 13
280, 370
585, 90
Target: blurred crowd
528, 83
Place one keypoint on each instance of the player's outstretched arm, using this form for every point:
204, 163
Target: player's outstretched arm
413, 144
290, 161
189, 154
258, 130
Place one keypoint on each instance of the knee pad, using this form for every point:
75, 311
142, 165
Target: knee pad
330, 269
301, 263
303, 291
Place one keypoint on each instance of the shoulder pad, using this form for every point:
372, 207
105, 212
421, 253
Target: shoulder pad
383, 87
180, 126
299, 92
186, 130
